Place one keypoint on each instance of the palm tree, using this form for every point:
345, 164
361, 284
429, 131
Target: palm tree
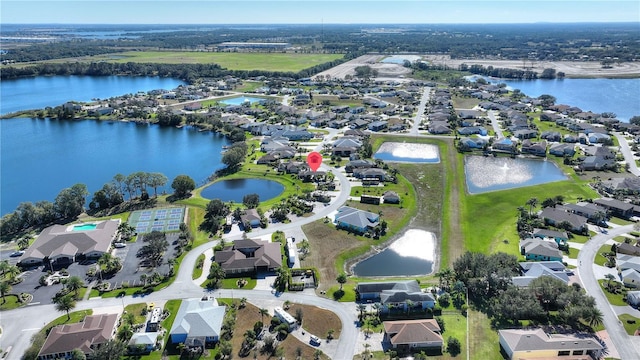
11, 272
5, 288
341, 279
533, 202
263, 313
593, 316
609, 278
361, 309
74, 283
143, 278
65, 303
366, 351
125, 333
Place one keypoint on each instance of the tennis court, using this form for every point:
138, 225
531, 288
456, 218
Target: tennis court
165, 219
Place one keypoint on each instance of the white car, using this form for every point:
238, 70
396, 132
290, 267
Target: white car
314, 340
17, 253
119, 245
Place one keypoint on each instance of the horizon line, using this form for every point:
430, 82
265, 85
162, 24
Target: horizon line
337, 23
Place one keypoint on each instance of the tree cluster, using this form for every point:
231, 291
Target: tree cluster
155, 246
235, 155
216, 212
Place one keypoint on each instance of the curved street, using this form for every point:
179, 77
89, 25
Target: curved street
628, 346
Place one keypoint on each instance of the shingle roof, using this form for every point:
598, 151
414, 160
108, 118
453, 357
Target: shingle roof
356, 217
368, 287
412, 331
94, 330
531, 340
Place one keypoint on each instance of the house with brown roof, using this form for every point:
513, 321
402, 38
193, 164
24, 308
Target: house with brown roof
250, 218
249, 256
409, 335
60, 245
537, 344
87, 336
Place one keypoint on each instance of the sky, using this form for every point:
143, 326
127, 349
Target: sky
315, 11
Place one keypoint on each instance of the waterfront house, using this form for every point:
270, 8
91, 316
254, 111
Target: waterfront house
411, 335
395, 295
250, 218
356, 220
519, 344
249, 256
87, 336
198, 323
561, 149
534, 148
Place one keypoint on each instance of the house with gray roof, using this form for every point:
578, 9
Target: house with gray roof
395, 294
562, 149
142, 343
534, 270
628, 249
356, 220
198, 323
536, 249
560, 237
249, 256
556, 217
60, 245
536, 343
633, 298
616, 207
589, 210
410, 335
629, 185
630, 278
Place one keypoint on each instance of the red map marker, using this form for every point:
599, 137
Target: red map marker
314, 160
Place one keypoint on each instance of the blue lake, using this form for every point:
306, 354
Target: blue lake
38, 158
412, 254
408, 152
240, 100
620, 96
484, 174
235, 189
42, 91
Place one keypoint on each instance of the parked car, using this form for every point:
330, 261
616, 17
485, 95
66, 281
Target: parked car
17, 253
119, 245
314, 340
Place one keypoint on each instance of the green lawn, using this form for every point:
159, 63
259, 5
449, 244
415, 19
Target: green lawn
601, 260
232, 283
9, 302
137, 309
490, 218
573, 253
614, 299
630, 323
284, 62
619, 221
197, 271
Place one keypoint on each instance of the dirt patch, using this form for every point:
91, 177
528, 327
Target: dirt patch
318, 321
250, 314
576, 69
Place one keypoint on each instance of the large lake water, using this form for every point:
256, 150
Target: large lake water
42, 91
620, 96
484, 174
41, 157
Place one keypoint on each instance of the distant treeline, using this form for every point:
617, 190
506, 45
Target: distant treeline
186, 72
481, 70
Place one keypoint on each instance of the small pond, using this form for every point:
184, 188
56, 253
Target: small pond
408, 152
412, 254
239, 100
235, 189
484, 174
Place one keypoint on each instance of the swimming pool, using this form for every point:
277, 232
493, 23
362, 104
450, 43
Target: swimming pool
84, 227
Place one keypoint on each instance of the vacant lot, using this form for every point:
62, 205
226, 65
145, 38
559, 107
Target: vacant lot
317, 321
249, 315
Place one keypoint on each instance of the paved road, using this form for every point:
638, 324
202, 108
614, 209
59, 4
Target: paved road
424, 100
495, 124
586, 256
628, 155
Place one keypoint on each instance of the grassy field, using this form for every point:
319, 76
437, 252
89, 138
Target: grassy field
600, 259
614, 299
283, 62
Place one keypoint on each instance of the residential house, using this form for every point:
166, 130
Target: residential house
439, 127
391, 197
598, 138
629, 269
378, 125
551, 136
395, 294
198, 323
88, 335
627, 185
589, 210
534, 148
358, 164
525, 134
519, 344
560, 237
473, 143
630, 278
469, 114
561, 149
628, 249
596, 163
534, 270
411, 335
471, 130
61, 245
194, 106
616, 207
249, 256
557, 217
142, 343
633, 298
369, 199
536, 249
356, 220
370, 173
250, 218
505, 145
